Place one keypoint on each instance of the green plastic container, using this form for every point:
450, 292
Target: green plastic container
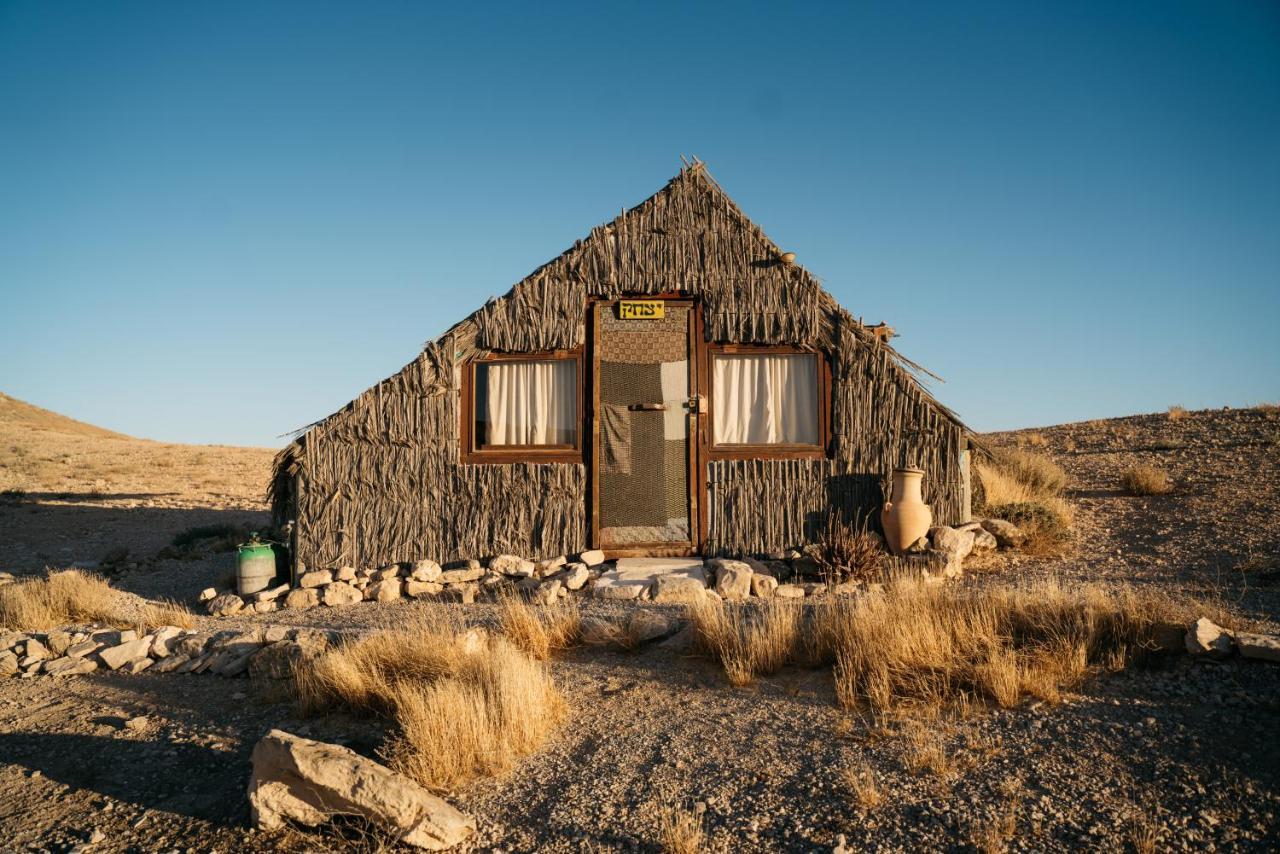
255, 566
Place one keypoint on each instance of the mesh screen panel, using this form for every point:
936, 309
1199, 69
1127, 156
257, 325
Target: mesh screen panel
644, 490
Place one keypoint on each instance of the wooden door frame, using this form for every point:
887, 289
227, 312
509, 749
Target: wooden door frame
695, 477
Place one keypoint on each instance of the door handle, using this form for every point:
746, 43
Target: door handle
648, 407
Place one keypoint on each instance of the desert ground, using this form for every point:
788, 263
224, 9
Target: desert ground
1174, 753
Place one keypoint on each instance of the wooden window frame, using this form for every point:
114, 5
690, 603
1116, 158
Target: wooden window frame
770, 450
505, 454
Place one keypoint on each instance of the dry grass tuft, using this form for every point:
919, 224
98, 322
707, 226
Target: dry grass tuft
541, 632
1034, 440
168, 613
59, 598
1026, 488
681, 832
1177, 413
993, 836
926, 755
465, 704
1143, 479
848, 551
748, 640
863, 789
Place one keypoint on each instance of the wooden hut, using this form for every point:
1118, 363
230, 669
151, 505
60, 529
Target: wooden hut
672, 384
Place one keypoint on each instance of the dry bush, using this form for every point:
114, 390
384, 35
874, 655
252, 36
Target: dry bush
167, 613
994, 835
681, 832
1034, 440
926, 754
541, 632
1026, 488
1143, 479
848, 551
748, 640
465, 704
862, 787
915, 646
1177, 413
59, 598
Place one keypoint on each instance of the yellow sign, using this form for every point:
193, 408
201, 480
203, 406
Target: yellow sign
641, 309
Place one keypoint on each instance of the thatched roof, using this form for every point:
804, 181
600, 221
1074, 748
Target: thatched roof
689, 237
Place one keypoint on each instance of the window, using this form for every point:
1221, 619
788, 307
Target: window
523, 408
770, 399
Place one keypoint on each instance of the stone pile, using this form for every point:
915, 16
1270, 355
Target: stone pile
265, 651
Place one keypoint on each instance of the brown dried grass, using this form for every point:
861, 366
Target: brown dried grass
748, 640
168, 612
58, 598
1026, 488
465, 704
1177, 413
862, 788
681, 831
1143, 479
542, 632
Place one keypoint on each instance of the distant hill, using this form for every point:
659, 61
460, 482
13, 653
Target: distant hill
48, 456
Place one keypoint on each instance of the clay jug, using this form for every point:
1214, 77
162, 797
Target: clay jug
905, 517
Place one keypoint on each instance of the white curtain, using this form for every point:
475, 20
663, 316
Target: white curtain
761, 400
531, 403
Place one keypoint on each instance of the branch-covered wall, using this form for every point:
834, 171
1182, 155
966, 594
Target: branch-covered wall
382, 479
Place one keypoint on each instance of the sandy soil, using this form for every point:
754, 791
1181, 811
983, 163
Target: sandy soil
1183, 749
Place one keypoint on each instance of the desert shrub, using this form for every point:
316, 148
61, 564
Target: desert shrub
862, 788
848, 550
748, 640
541, 632
921, 647
463, 704
1177, 413
1143, 479
1034, 440
168, 613
59, 598
681, 832
1026, 488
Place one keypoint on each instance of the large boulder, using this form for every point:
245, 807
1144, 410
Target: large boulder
1261, 647
1205, 637
733, 578
763, 586
302, 597
1007, 534
341, 593
386, 590
681, 587
309, 782
952, 546
425, 570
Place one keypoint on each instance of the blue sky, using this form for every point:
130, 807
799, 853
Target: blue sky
221, 221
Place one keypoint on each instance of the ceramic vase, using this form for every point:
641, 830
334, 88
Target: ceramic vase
905, 517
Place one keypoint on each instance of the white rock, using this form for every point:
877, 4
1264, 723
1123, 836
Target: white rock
67, 667
1261, 647
421, 589
315, 578
308, 782
208, 593
9, 663
547, 567
387, 590
345, 573
763, 586
1205, 637
426, 570
36, 651
302, 597
595, 557
1007, 534
340, 593
225, 605
547, 592
271, 594
512, 565
462, 575
160, 640
116, 657
680, 587
733, 578
574, 576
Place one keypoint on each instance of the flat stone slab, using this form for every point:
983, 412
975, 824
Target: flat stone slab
633, 577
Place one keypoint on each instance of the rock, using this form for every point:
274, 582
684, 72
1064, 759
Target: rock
920, 546
275, 634
57, 641
1007, 534
266, 607
345, 573
425, 570
548, 567
512, 565
136, 666
464, 593
763, 586
597, 631
170, 664
302, 597
1205, 637
208, 593
387, 572
806, 566
463, 574
574, 576
225, 605
8, 663
619, 585
789, 591
757, 567
340, 593
733, 578
138, 723
681, 587
645, 625
67, 666
387, 590
421, 589
190, 645
118, 656
297, 779
83, 648
160, 640
315, 578
276, 660
983, 540
547, 592
271, 593
230, 664
594, 557
952, 546
1260, 647
813, 588
36, 651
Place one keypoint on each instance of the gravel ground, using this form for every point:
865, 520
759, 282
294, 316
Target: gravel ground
1181, 750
